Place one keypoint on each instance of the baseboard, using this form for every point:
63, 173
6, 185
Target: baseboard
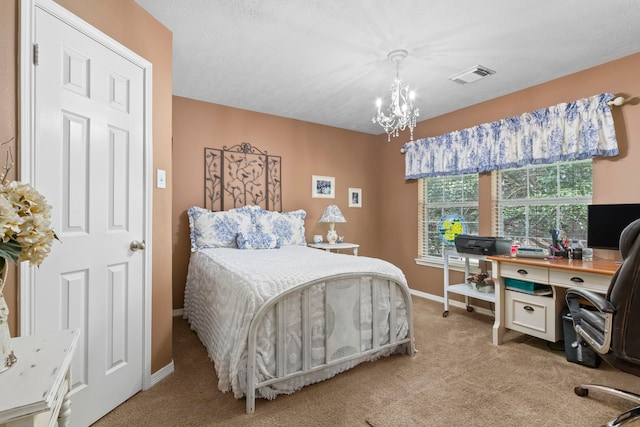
452, 302
161, 374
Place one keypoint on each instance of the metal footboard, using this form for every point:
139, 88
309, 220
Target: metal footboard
357, 285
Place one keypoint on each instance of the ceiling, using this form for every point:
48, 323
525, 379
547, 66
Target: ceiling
325, 61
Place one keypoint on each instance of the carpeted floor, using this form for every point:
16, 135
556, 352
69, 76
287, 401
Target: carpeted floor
457, 378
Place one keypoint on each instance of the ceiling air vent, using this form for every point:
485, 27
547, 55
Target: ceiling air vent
471, 75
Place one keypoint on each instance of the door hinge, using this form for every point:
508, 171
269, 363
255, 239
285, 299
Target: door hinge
35, 54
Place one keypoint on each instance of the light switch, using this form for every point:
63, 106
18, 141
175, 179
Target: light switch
161, 178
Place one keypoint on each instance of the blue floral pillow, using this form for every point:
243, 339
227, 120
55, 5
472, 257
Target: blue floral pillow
217, 229
257, 240
288, 226
248, 209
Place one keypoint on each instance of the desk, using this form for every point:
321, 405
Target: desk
336, 246
35, 390
539, 315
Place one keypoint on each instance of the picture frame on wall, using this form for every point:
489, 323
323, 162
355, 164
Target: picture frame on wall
323, 187
355, 197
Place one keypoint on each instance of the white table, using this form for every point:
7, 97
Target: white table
335, 246
35, 390
462, 288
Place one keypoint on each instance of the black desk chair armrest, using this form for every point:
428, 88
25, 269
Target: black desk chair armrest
593, 326
599, 301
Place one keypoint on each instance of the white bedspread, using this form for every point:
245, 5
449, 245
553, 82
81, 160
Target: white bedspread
225, 287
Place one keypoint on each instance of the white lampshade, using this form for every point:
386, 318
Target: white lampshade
332, 215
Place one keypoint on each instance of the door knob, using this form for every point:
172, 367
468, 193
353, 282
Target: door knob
137, 246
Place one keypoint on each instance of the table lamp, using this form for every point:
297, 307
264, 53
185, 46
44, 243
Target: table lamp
332, 215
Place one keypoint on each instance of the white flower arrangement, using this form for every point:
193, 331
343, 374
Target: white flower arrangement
26, 233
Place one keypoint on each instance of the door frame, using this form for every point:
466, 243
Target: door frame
27, 164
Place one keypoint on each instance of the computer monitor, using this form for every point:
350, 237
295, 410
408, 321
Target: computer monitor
605, 223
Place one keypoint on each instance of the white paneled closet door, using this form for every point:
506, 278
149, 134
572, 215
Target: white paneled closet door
89, 161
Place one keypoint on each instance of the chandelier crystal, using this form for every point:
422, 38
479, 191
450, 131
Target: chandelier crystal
401, 113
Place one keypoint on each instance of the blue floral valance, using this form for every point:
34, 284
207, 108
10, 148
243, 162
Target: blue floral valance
569, 131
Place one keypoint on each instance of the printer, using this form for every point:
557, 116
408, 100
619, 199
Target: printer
482, 245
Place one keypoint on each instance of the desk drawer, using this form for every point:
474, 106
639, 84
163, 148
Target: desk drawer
525, 272
532, 315
580, 279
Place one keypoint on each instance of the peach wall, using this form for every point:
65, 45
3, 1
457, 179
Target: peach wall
129, 24
307, 149
9, 123
614, 179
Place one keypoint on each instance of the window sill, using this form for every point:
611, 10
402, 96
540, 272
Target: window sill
454, 264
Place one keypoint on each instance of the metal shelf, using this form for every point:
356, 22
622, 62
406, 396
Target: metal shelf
463, 288
466, 290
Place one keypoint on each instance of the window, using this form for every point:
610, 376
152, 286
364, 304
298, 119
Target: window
535, 199
440, 197
529, 201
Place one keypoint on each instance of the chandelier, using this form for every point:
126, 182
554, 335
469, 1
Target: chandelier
401, 112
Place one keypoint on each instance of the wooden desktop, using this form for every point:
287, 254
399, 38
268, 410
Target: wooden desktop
539, 315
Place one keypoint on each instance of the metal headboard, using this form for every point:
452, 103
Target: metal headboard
241, 175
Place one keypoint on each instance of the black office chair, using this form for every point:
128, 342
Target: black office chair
612, 329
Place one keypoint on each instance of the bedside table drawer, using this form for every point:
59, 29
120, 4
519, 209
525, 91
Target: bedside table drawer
531, 315
530, 273
579, 279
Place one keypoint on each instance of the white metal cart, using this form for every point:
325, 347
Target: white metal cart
463, 288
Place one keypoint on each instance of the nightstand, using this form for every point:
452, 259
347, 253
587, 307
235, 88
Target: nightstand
335, 247
36, 389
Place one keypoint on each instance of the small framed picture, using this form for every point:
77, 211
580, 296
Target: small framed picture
323, 187
355, 197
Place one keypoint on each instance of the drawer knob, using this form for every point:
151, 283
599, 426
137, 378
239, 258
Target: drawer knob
523, 271
577, 279
528, 308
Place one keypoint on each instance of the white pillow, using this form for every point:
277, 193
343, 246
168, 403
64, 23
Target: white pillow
288, 226
216, 229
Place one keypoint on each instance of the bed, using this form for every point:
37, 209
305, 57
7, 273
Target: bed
274, 314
